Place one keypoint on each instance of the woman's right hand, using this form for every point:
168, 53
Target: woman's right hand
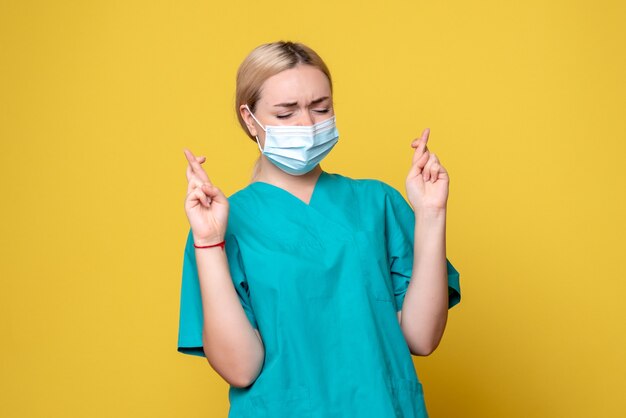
205, 204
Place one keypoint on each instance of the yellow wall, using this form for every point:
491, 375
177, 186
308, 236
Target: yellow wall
526, 104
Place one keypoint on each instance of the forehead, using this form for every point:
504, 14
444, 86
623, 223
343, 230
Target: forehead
301, 84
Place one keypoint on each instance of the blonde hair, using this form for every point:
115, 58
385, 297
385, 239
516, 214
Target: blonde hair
264, 62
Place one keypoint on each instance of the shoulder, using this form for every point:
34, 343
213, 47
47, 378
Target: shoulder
242, 209
242, 199
239, 195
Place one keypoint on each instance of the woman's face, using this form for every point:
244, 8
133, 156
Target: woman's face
298, 96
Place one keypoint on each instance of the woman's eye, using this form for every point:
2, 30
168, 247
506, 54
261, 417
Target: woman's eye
286, 115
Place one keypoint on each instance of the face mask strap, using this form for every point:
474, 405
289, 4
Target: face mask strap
253, 117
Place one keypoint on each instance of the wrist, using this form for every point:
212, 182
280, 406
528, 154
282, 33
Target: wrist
205, 242
218, 245
430, 214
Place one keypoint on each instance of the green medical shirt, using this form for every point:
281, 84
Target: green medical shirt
322, 283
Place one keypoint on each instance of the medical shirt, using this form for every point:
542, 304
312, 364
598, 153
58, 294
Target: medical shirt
322, 283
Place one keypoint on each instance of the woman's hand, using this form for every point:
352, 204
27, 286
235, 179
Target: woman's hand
205, 204
427, 182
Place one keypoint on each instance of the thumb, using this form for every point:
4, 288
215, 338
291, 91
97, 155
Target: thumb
215, 193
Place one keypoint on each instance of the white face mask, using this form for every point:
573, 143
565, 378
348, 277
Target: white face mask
298, 149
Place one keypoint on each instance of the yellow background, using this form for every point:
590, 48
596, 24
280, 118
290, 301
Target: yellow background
526, 104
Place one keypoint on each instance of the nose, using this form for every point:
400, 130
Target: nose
305, 118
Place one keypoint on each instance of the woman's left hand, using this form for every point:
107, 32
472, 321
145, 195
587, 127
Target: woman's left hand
427, 182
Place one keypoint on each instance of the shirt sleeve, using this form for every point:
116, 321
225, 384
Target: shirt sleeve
399, 234
191, 316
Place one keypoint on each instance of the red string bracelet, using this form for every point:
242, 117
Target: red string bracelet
219, 244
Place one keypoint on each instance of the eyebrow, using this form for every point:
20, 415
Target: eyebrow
314, 102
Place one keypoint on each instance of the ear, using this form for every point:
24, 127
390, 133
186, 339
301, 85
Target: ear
247, 118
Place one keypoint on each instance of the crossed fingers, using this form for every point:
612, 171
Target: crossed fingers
196, 176
421, 154
424, 162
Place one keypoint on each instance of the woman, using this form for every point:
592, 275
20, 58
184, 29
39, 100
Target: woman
300, 289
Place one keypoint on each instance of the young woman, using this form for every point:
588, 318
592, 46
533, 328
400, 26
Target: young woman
308, 291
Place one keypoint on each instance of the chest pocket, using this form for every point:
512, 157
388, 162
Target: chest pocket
374, 265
